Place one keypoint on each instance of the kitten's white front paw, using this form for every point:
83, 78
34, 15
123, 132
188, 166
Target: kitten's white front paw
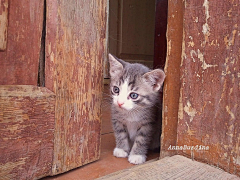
136, 159
120, 153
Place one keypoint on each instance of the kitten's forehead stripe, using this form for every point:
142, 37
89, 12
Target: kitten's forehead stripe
132, 82
135, 89
121, 80
131, 85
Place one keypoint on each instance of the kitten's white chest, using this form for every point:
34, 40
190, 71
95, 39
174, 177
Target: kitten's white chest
132, 123
132, 128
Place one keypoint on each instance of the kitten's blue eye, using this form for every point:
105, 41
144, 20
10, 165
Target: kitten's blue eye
116, 89
133, 95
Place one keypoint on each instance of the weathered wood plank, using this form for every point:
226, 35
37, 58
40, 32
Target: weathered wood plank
75, 50
3, 24
26, 132
19, 62
172, 81
209, 105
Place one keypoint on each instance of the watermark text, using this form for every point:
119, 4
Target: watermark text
186, 147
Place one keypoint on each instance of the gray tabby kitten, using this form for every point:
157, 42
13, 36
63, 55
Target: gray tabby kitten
135, 93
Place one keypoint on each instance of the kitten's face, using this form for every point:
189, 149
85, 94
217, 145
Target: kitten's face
125, 96
134, 86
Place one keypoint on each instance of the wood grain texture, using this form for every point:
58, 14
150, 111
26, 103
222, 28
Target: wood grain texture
172, 81
136, 30
26, 132
19, 62
3, 24
209, 97
75, 51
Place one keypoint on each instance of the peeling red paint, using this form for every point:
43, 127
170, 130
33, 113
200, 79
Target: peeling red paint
26, 132
19, 61
76, 46
209, 108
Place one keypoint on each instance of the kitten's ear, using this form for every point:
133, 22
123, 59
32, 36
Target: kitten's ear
115, 66
155, 78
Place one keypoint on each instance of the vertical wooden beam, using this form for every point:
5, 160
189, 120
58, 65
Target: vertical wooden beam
172, 81
3, 24
75, 51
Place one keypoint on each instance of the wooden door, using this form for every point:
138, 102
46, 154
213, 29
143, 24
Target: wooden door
52, 129
204, 74
210, 90
131, 30
75, 51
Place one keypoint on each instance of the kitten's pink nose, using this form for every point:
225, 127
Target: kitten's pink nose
120, 103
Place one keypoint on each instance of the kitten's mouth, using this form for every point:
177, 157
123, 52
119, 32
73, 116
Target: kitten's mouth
123, 108
120, 107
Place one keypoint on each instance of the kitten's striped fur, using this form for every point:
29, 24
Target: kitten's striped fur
135, 92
